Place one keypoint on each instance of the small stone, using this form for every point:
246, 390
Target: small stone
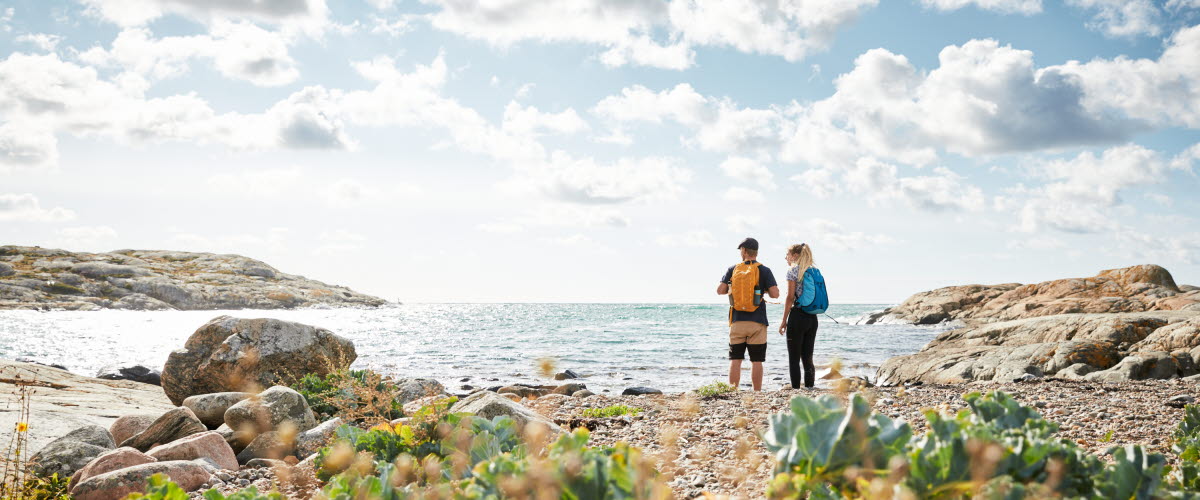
640, 391
243, 482
1180, 401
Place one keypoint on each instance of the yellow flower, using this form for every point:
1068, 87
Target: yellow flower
22, 427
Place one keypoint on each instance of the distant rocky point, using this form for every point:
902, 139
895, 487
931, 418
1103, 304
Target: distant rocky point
1131, 289
153, 280
1124, 324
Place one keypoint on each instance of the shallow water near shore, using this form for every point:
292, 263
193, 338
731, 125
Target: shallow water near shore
672, 347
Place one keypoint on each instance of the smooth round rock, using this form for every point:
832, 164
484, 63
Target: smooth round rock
211, 408
209, 445
264, 412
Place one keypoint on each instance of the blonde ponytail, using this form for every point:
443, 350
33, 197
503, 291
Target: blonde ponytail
804, 258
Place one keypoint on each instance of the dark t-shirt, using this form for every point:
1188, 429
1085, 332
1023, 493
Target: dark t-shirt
766, 280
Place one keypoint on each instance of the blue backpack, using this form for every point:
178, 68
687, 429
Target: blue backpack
813, 298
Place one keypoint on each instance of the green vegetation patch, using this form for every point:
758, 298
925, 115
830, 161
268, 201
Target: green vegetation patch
995, 449
715, 389
64, 289
354, 395
610, 411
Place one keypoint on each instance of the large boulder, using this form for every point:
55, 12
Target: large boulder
211, 408
73, 451
118, 484
231, 354
206, 445
270, 408
175, 424
109, 461
412, 389
1046, 346
1132, 289
487, 404
130, 425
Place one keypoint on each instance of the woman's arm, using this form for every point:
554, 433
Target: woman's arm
787, 306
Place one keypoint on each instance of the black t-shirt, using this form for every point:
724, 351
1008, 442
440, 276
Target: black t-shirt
766, 280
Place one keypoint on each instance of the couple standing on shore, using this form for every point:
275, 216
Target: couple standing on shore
746, 283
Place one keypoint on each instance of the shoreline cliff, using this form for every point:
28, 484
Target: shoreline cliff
157, 280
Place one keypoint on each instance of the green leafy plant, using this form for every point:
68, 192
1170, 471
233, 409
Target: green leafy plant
996, 449
354, 395
610, 411
715, 389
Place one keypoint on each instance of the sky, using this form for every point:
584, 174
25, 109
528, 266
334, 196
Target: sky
609, 150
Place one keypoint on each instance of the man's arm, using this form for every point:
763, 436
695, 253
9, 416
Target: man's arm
722, 288
773, 292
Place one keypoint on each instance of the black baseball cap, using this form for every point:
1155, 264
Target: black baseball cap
748, 244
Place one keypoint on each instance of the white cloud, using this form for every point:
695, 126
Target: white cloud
1176, 248
529, 121
1162, 92
749, 171
85, 238
1027, 7
1122, 18
823, 234
1082, 190
655, 33
738, 194
44, 41
697, 238
719, 124
27, 144
307, 15
238, 50
681, 104
585, 181
25, 207
788, 29
879, 183
394, 27
6, 17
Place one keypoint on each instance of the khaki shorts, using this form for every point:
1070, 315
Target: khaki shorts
747, 332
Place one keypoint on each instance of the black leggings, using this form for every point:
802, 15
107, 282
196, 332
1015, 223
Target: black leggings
801, 335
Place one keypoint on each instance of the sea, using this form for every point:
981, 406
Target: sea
670, 347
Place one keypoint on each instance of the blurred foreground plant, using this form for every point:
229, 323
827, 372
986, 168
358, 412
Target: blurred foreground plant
995, 449
353, 395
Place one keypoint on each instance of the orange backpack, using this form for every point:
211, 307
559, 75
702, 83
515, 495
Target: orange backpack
744, 294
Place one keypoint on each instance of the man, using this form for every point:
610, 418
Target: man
748, 329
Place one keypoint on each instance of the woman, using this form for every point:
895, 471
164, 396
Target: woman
799, 326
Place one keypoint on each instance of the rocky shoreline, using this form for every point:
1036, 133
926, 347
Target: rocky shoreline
154, 280
1123, 324
226, 418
